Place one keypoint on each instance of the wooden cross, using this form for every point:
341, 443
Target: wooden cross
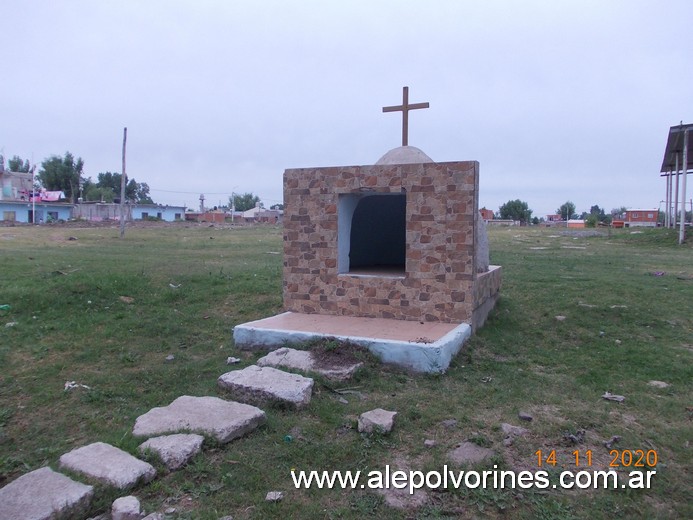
405, 107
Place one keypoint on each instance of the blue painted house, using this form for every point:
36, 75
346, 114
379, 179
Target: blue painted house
23, 211
158, 211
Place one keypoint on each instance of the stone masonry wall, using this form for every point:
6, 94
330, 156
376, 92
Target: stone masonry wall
441, 208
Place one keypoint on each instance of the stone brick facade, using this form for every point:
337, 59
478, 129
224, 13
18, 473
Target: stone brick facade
438, 279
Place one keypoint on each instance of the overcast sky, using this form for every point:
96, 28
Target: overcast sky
557, 100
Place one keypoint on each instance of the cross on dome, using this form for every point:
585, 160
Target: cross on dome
405, 107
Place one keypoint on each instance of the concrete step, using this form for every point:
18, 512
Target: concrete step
211, 416
107, 464
304, 361
174, 450
44, 494
265, 384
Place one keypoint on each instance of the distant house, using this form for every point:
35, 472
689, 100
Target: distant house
486, 214
158, 211
19, 202
216, 217
553, 218
15, 185
103, 211
23, 211
641, 217
260, 214
576, 223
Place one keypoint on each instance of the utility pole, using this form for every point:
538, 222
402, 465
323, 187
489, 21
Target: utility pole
122, 187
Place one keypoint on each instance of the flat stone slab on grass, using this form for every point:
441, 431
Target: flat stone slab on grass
108, 465
44, 494
174, 450
217, 418
304, 361
513, 431
261, 384
126, 508
469, 453
377, 420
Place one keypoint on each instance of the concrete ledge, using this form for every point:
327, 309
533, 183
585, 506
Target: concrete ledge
430, 357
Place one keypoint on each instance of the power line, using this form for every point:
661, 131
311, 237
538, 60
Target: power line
191, 192
211, 193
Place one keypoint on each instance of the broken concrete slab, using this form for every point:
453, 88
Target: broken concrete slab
126, 508
304, 360
107, 464
469, 453
524, 416
217, 418
44, 494
513, 431
267, 384
377, 420
155, 516
274, 496
174, 450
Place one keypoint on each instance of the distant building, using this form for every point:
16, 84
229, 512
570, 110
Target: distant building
553, 218
161, 212
486, 214
15, 186
641, 217
216, 217
20, 203
260, 214
576, 223
23, 211
104, 211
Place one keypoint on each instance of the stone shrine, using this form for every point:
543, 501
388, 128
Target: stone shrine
395, 240
398, 240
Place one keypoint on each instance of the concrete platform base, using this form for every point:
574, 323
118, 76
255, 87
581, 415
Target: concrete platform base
422, 347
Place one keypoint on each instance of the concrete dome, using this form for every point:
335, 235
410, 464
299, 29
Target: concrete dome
404, 155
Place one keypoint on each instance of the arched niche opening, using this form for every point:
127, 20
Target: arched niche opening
372, 234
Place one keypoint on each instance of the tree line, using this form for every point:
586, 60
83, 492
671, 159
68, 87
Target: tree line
519, 210
66, 174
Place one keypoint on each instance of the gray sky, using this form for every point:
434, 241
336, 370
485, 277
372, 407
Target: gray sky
557, 100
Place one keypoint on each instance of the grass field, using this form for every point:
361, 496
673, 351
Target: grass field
106, 313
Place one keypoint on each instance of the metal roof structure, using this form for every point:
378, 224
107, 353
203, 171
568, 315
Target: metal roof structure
675, 147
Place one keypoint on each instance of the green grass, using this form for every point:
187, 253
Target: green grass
102, 312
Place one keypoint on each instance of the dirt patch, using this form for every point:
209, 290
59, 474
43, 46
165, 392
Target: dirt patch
401, 498
330, 353
566, 454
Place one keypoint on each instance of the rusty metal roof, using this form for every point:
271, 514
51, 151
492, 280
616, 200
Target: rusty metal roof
675, 147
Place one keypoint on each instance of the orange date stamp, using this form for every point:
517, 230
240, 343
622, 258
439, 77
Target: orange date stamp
619, 458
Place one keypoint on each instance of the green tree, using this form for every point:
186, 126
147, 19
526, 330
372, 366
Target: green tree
567, 210
599, 213
16, 164
516, 210
107, 188
62, 174
619, 213
93, 193
280, 207
244, 202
